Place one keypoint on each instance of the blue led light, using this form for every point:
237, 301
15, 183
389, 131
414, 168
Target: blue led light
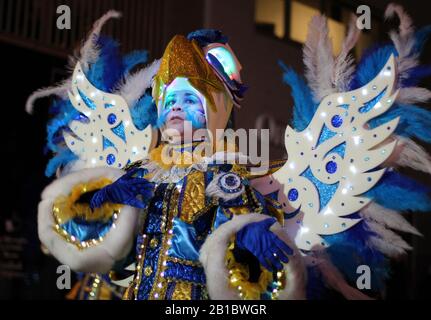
225, 58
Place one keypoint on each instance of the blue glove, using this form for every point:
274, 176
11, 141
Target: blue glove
264, 244
124, 191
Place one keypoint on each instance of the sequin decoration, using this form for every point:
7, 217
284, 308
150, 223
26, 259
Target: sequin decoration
185, 58
331, 167
110, 159
108, 143
230, 183
323, 159
112, 118
184, 272
192, 196
102, 110
90, 103
119, 131
292, 195
372, 103
337, 121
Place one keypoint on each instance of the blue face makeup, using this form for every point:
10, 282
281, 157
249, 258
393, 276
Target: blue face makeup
196, 117
190, 105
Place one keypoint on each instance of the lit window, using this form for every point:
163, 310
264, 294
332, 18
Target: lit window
289, 20
271, 14
300, 16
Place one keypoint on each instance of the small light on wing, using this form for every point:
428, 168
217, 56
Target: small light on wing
328, 211
387, 73
303, 230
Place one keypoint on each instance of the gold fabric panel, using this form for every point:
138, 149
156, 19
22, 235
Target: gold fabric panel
182, 291
194, 197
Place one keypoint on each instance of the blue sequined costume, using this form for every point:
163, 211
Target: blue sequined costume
167, 247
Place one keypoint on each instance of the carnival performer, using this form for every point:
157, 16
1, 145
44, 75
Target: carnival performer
188, 216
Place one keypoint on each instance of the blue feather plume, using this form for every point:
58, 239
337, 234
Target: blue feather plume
415, 122
373, 60
133, 59
62, 157
105, 73
398, 192
350, 249
144, 112
107, 70
395, 191
304, 106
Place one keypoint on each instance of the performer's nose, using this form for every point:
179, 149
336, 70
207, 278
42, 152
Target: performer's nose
177, 107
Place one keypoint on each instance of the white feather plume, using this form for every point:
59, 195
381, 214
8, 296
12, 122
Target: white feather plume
60, 90
318, 58
406, 24
410, 154
344, 66
413, 95
134, 85
386, 247
88, 54
403, 40
375, 213
389, 238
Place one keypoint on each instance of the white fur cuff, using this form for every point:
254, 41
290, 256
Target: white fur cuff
99, 258
213, 252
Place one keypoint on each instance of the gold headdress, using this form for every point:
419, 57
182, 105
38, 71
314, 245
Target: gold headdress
185, 59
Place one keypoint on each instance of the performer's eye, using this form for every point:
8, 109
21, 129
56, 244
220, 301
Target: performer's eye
190, 101
170, 103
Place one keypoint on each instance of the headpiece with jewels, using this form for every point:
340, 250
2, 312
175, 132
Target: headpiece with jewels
204, 62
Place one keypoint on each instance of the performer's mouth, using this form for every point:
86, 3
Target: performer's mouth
176, 118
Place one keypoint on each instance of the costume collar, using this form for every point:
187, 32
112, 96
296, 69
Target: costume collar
180, 155
186, 147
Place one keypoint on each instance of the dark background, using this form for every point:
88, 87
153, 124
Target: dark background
34, 53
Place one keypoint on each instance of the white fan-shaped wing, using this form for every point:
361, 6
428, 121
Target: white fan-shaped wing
108, 137
333, 161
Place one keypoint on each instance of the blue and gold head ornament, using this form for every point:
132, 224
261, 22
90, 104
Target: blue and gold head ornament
203, 61
223, 61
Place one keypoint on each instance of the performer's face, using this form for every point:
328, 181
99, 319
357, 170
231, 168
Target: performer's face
181, 106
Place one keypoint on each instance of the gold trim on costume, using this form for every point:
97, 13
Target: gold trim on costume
66, 208
239, 275
182, 291
169, 212
194, 197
